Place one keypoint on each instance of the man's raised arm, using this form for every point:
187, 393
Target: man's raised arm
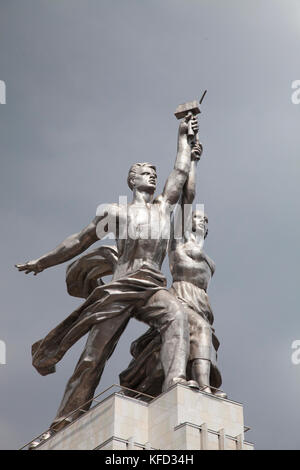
178, 176
189, 189
68, 249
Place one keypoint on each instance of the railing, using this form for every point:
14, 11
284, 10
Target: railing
205, 431
134, 394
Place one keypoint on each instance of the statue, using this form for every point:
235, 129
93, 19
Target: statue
138, 288
191, 270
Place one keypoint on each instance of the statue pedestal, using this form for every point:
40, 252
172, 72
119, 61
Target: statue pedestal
179, 419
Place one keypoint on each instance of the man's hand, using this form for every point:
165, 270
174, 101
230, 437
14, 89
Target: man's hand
196, 152
30, 267
188, 121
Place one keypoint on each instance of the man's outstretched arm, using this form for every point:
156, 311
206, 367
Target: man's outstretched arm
178, 176
68, 249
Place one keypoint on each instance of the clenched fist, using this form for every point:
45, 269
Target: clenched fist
189, 122
196, 152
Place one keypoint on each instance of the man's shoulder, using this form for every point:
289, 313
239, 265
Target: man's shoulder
162, 201
108, 209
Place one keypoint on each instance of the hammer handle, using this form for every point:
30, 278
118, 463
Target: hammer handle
190, 129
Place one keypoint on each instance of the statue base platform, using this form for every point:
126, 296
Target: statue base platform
179, 419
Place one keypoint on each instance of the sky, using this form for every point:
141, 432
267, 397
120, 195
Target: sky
91, 87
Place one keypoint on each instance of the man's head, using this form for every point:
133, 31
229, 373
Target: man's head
142, 176
199, 223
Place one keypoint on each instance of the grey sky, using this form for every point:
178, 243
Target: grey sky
92, 86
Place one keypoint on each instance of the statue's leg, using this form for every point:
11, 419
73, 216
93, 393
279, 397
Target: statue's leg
100, 344
201, 373
200, 349
164, 312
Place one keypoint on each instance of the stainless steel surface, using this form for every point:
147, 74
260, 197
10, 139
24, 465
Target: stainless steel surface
137, 288
191, 270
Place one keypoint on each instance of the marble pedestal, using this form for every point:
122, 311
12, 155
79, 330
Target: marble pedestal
179, 419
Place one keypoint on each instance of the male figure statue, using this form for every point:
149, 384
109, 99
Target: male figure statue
137, 289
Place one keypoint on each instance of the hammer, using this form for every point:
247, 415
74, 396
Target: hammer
191, 107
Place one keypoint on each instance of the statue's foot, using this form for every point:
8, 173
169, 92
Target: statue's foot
179, 380
47, 435
220, 394
44, 437
193, 384
33, 445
